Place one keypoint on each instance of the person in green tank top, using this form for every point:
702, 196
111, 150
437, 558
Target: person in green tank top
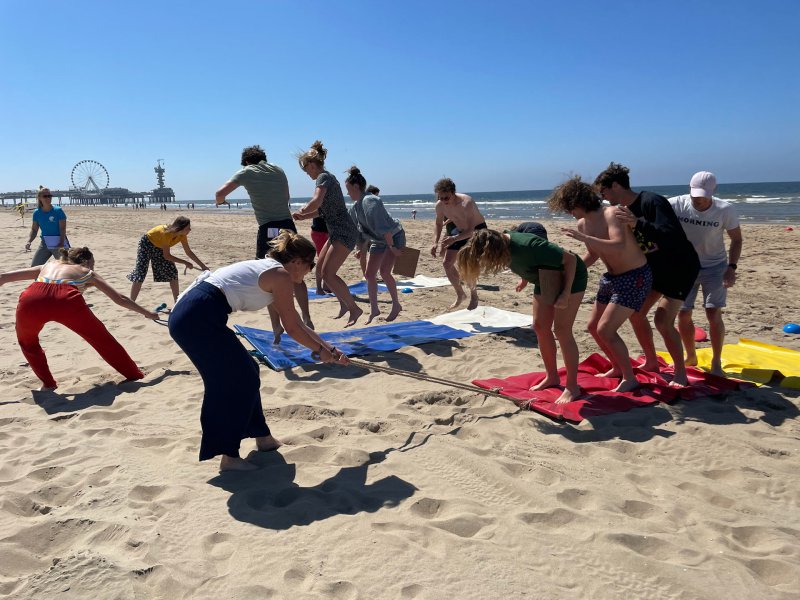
491, 251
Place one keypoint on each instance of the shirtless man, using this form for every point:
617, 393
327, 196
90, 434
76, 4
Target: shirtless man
460, 215
624, 288
671, 256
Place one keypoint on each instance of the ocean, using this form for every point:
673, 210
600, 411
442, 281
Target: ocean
774, 202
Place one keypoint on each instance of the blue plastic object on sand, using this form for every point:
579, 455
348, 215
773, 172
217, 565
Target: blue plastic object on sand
407, 291
791, 328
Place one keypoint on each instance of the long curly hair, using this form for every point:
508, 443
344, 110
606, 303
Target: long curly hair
487, 251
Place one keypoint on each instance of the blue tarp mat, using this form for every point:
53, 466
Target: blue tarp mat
356, 288
353, 342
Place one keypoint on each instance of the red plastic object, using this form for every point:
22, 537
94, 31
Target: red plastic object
700, 335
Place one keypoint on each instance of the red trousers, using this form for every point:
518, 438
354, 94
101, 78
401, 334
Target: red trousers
42, 303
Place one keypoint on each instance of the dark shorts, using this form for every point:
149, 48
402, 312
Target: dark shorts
630, 289
461, 243
269, 231
677, 282
532, 227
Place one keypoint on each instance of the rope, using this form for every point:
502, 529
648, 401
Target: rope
462, 386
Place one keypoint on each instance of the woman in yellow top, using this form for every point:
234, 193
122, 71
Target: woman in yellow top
154, 247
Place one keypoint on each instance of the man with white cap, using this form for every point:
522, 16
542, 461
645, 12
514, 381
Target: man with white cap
704, 219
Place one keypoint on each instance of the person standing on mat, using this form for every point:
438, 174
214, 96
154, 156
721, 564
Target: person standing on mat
268, 188
460, 216
53, 224
232, 409
57, 297
705, 219
626, 284
386, 239
671, 256
328, 201
490, 251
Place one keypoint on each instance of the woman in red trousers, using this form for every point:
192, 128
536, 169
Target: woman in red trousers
57, 296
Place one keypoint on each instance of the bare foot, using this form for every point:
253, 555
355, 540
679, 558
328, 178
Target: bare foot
342, 310
473, 300
626, 385
372, 315
234, 463
547, 382
614, 372
459, 299
276, 336
650, 367
716, 369
679, 380
267, 443
690, 361
396, 308
308, 322
45, 388
354, 315
568, 396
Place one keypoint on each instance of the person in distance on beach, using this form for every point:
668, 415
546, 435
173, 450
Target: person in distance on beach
626, 284
672, 259
328, 201
154, 247
53, 224
232, 409
704, 218
57, 297
490, 251
460, 216
268, 188
386, 240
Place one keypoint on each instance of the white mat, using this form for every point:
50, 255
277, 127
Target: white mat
423, 281
484, 319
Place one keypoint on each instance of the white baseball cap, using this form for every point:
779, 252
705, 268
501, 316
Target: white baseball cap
703, 184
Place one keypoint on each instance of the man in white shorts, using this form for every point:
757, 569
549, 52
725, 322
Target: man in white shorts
704, 220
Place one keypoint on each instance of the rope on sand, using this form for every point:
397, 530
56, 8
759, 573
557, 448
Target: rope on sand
455, 384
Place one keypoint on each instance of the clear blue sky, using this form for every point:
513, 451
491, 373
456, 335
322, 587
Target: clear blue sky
499, 95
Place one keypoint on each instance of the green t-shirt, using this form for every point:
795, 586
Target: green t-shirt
268, 189
529, 253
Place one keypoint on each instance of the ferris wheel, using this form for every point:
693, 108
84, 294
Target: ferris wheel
89, 176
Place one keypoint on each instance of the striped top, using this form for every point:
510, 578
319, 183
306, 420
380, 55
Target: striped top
80, 282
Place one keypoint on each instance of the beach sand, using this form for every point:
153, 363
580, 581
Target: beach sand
387, 487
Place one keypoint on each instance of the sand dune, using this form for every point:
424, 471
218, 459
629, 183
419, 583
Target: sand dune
387, 487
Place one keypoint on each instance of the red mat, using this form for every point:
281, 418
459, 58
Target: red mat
598, 398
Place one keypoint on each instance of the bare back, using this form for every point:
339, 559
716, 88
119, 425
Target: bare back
55, 269
623, 254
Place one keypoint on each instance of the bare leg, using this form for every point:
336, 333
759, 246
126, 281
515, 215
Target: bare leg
686, 329
473, 299
644, 332
564, 320
388, 280
136, 287
608, 329
334, 259
371, 274
451, 271
594, 321
716, 331
543, 315
666, 311
173, 285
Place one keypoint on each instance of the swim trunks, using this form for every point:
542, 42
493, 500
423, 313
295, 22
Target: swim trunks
629, 289
451, 230
268, 232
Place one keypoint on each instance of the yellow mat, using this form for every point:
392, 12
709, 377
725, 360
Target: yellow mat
755, 361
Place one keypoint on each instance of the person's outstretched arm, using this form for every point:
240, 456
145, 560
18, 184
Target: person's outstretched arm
120, 299
312, 208
20, 275
192, 255
223, 192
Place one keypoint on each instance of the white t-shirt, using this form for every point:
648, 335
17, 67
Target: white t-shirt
706, 229
239, 283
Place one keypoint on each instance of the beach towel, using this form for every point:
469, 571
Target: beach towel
755, 361
484, 319
353, 342
599, 397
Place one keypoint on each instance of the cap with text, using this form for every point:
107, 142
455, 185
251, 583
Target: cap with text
703, 184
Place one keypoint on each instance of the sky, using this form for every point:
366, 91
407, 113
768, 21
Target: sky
500, 95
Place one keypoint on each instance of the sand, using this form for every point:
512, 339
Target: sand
387, 487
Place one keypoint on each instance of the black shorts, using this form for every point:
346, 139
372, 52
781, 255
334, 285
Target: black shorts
675, 283
269, 231
461, 243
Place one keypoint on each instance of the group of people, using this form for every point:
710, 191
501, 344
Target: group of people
650, 261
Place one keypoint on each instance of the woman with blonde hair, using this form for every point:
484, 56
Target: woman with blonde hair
53, 224
490, 251
154, 247
385, 236
57, 296
328, 201
232, 408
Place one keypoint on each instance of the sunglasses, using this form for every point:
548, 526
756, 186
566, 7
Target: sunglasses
47, 195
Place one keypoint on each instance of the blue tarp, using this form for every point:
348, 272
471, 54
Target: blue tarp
355, 289
353, 342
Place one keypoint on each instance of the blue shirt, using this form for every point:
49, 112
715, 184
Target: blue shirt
48, 221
